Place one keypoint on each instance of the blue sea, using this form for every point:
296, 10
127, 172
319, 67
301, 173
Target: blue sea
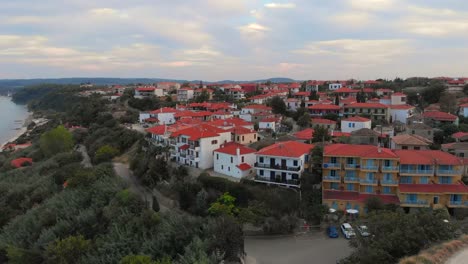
12, 116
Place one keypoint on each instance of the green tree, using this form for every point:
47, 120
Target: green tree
321, 135
143, 259
465, 89
105, 153
448, 103
313, 95
55, 141
433, 93
224, 205
278, 106
374, 204
68, 250
304, 120
337, 99
203, 97
303, 86
155, 206
196, 253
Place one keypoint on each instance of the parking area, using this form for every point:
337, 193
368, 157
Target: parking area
313, 247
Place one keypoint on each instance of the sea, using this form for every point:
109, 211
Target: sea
12, 118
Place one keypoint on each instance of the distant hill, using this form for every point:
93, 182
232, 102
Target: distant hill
18, 83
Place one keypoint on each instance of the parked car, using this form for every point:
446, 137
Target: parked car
348, 230
363, 230
332, 232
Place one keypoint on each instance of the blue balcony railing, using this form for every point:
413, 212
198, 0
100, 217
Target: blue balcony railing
351, 179
456, 202
332, 165
389, 182
332, 178
369, 167
410, 171
448, 172
351, 166
416, 202
389, 168
368, 180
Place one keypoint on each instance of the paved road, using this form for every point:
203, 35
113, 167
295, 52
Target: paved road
303, 249
459, 258
86, 162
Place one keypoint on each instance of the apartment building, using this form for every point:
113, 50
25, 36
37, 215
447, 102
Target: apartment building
375, 111
185, 94
431, 178
244, 136
282, 163
355, 123
234, 159
194, 146
353, 173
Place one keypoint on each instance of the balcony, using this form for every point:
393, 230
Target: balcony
448, 172
351, 166
331, 165
182, 155
389, 182
370, 167
389, 168
416, 203
278, 181
410, 171
277, 167
351, 179
331, 178
368, 181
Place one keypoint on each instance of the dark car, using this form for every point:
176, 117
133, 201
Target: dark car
332, 232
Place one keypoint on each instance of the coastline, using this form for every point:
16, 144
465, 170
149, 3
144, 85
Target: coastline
22, 130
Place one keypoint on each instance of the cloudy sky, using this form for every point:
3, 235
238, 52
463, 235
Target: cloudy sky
233, 39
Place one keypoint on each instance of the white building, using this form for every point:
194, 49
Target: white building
354, 123
293, 103
234, 159
145, 91
247, 111
401, 112
165, 115
195, 146
334, 86
269, 123
464, 110
385, 100
398, 99
185, 94
282, 163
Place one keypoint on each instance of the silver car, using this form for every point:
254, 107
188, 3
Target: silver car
363, 230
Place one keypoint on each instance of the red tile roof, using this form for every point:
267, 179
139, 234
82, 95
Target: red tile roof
323, 121
291, 149
340, 134
184, 147
241, 130
365, 151
398, 94
366, 105
441, 116
269, 120
146, 89
157, 130
305, 134
464, 105
244, 166
237, 122
356, 196
199, 131
460, 134
230, 148
324, 107
19, 162
357, 119
433, 188
426, 157
188, 113
258, 106
302, 94
345, 90
164, 110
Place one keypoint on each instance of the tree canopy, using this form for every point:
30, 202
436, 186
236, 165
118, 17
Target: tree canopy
56, 140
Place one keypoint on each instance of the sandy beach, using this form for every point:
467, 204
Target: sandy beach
20, 131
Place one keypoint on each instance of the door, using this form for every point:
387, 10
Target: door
283, 177
272, 176
272, 163
436, 200
283, 163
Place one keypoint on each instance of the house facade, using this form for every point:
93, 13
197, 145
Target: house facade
355, 123
375, 111
185, 94
282, 163
401, 112
235, 160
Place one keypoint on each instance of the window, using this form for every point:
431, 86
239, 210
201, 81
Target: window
445, 180
412, 132
350, 124
238, 138
387, 177
260, 159
306, 157
255, 136
229, 168
242, 158
417, 148
295, 162
354, 125
333, 160
333, 173
334, 205
387, 163
404, 147
370, 162
424, 180
387, 190
350, 187
242, 138
370, 176
261, 172
436, 200
412, 197
348, 206
350, 161
214, 142
406, 179
232, 159
369, 189
334, 186
222, 167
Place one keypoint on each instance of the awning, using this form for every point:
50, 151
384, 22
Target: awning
184, 147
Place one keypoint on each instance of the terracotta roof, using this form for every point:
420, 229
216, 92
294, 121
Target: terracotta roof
366, 105
324, 107
302, 94
441, 116
366, 151
357, 119
241, 130
230, 148
455, 145
291, 149
464, 105
398, 94
157, 130
237, 122
433, 188
199, 131
460, 135
356, 196
365, 132
19, 162
323, 121
146, 89
269, 120
426, 157
340, 134
305, 134
184, 147
345, 90
244, 166
401, 107
164, 110
406, 139
257, 106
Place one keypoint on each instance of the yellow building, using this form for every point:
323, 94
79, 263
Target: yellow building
244, 135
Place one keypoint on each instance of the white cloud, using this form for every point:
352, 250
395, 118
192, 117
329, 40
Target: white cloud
280, 5
352, 19
372, 5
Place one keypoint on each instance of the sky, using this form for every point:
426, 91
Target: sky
233, 39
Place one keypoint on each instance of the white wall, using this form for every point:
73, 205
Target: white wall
350, 126
289, 163
165, 118
465, 111
143, 116
386, 101
396, 99
267, 125
246, 117
400, 114
223, 165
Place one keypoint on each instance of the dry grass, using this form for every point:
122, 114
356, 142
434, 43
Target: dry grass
438, 254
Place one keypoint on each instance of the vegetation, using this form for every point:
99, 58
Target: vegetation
321, 135
304, 120
56, 141
278, 106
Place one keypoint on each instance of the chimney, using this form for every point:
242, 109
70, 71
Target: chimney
238, 156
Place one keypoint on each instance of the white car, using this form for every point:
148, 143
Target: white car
363, 230
347, 230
